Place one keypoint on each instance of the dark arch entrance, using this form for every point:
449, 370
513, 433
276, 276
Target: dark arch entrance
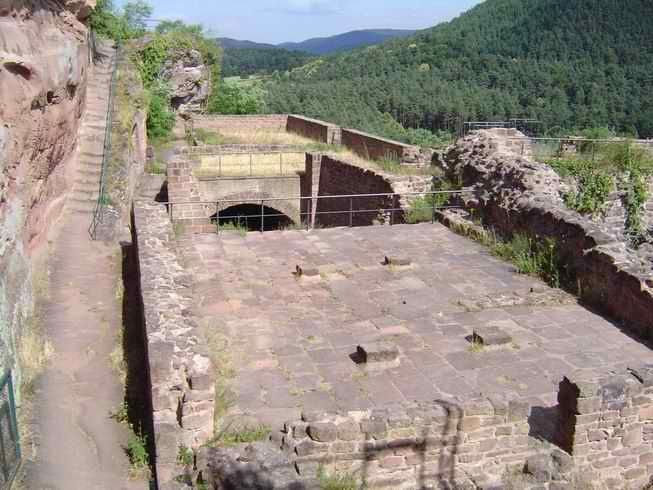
248, 216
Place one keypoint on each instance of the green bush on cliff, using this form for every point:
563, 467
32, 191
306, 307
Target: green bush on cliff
160, 118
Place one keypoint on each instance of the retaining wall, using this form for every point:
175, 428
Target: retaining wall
180, 371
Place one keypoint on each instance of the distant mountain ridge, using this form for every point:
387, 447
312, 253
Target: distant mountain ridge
325, 45
346, 41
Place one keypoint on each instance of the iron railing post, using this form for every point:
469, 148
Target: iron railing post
262, 215
14, 419
351, 212
433, 213
217, 217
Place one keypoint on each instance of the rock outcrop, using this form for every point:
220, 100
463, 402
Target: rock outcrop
44, 61
189, 79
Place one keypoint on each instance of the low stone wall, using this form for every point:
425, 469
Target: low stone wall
407, 446
602, 438
314, 129
180, 371
515, 194
259, 122
377, 148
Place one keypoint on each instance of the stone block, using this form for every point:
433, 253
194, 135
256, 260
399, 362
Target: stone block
322, 431
348, 431
377, 352
397, 261
490, 336
308, 447
306, 271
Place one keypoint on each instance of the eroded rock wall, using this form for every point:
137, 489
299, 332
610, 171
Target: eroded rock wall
44, 61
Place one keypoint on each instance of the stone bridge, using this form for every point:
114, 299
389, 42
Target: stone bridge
198, 190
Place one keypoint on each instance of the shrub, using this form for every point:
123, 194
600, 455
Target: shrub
160, 119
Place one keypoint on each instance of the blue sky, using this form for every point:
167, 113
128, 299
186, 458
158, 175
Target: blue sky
276, 21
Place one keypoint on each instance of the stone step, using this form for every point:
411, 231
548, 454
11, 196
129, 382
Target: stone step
89, 173
87, 187
84, 197
81, 208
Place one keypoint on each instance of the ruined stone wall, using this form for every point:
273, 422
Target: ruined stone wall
259, 122
330, 176
515, 194
606, 424
44, 62
184, 188
408, 446
314, 129
377, 148
180, 371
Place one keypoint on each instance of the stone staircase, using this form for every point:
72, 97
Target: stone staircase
85, 192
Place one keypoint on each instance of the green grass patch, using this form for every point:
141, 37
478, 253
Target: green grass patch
156, 167
205, 137
185, 456
138, 455
233, 437
233, 227
336, 481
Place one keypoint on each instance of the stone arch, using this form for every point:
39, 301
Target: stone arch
254, 198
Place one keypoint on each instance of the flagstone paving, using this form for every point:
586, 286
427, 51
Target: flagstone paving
290, 339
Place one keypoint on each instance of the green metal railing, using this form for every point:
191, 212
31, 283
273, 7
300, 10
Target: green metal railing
10, 455
98, 213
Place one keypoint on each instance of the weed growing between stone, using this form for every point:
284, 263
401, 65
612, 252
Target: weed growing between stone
231, 226
530, 256
185, 456
596, 173
230, 437
335, 481
138, 455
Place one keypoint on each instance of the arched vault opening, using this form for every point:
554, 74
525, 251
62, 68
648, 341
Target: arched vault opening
250, 216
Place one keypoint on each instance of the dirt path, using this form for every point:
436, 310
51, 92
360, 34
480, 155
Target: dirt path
79, 444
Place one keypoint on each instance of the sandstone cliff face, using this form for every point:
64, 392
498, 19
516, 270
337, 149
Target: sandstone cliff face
44, 61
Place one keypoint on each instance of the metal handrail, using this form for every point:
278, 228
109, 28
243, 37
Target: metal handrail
98, 213
351, 211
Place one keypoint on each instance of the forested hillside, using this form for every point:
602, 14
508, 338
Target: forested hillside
571, 63
251, 61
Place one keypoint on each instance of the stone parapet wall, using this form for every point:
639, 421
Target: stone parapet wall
514, 194
180, 371
314, 129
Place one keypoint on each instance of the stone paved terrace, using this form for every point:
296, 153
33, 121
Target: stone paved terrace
291, 338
